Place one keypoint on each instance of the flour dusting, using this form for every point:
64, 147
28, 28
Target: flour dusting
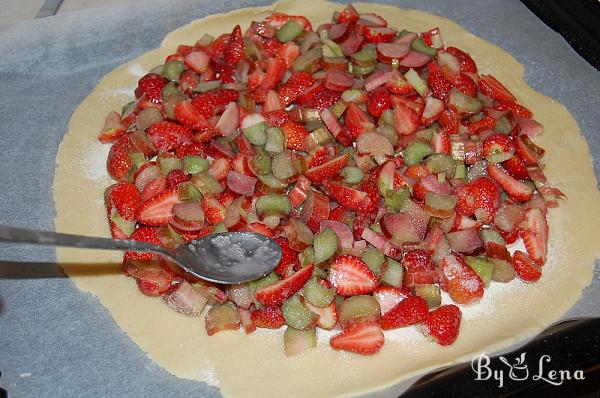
136, 70
94, 164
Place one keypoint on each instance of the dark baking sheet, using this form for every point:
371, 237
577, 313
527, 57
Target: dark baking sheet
56, 341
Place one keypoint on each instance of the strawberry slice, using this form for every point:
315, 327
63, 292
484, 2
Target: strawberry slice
197, 61
278, 19
467, 65
443, 324
296, 85
278, 292
481, 195
113, 128
151, 86
189, 116
269, 317
118, 162
157, 210
295, 135
517, 190
351, 276
488, 85
498, 148
328, 170
327, 316
462, 282
407, 312
142, 234
534, 231
525, 268
406, 120
517, 109
356, 121
363, 338
289, 259
348, 14
167, 136
214, 212
125, 198
376, 34
378, 102
234, 52
274, 73
516, 168
350, 198
289, 52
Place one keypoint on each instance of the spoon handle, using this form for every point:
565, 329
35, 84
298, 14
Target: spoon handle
21, 235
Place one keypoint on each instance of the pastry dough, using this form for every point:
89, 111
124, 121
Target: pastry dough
252, 365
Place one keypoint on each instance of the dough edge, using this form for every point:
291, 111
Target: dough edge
179, 344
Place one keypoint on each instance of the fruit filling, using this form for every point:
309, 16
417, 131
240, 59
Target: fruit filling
392, 173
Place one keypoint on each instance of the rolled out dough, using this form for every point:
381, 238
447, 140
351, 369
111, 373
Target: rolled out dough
252, 365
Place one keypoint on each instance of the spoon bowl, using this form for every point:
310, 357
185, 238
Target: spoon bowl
227, 257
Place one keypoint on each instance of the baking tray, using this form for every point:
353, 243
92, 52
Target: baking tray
57, 341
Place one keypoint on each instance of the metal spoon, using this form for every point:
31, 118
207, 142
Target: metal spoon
228, 257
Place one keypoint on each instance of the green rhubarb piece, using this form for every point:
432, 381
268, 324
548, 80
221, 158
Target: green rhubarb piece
441, 163
461, 170
296, 314
273, 205
374, 259
419, 45
339, 108
260, 283
425, 134
417, 82
357, 309
256, 133
271, 181
491, 235
393, 273
395, 199
367, 57
127, 107
331, 48
463, 103
206, 184
170, 101
262, 162
289, 31
307, 61
166, 164
188, 192
137, 160
416, 152
377, 228
317, 294
284, 166
275, 140
325, 244
173, 70
440, 205
169, 237
207, 86
503, 125
405, 32
479, 169
319, 136
352, 174
388, 117
430, 293
126, 226
503, 270
482, 267
222, 317
205, 40
158, 70
296, 341
169, 89
220, 227
363, 70
194, 164
307, 256
388, 132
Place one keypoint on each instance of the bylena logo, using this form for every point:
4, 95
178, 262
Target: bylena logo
519, 370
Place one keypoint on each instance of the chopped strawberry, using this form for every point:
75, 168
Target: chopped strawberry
498, 148
517, 190
214, 212
158, 209
351, 276
125, 199
488, 85
356, 121
189, 116
289, 259
443, 324
348, 14
269, 317
482, 193
324, 99
151, 85
234, 52
534, 231
525, 268
295, 87
389, 296
328, 170
176, 177
467, 65
143, 234
350, 198
276, 118
376, 34
363, 338
406, 120
278, 292
379, 101
278, 19
167, 136
295, 135
417, 260
289, 52
462, 282
274, 73
245, 316
113, 128
409, 311
214, 102
118, 162
438, 84
517, 109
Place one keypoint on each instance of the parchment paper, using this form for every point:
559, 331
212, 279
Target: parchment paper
56, 341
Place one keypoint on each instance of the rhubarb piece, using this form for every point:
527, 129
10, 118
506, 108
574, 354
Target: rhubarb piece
482, 267
462, 282
352, 174
273, 205
193, 164
325, 244
430, 293
317, 294
297, 341
185, 299
393, 274
374, 259
222, 317
296, 315
289, 31
416, 152
359, 309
